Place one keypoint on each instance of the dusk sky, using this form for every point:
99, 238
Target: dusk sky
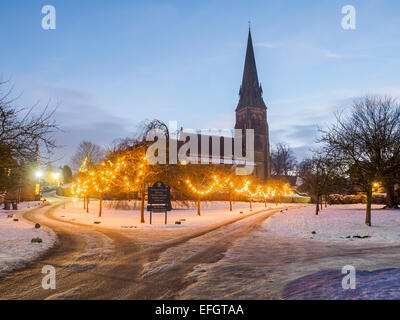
111, 64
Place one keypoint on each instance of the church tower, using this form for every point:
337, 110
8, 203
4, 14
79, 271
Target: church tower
251, 113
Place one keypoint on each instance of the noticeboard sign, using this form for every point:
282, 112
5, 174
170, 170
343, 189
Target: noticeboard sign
159, 194
159, 199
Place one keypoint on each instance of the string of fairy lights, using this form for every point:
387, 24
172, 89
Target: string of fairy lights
218, 184
103, 178
99, 180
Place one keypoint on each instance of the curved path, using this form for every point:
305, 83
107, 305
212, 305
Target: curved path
235, 259
94, 262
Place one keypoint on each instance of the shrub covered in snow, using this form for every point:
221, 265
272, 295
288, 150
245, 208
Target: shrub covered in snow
36, 240
354, 199
300, 199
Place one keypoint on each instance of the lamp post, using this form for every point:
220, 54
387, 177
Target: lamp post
56, 176
37, 187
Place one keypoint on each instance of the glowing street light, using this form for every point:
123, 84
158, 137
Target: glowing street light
56, 176
38, 175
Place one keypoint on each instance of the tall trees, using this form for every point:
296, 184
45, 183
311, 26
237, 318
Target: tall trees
366, 141
88, 153
320, 176
283, 161
23, 132
66, 174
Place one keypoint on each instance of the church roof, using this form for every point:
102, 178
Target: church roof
250, 92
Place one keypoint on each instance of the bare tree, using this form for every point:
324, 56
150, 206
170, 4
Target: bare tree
320, 176
87, 152
367, 142
283, 161
24, 131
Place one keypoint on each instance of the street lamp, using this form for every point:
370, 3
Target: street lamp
37, 186
56, 176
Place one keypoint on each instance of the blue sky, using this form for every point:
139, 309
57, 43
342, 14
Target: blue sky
111, 64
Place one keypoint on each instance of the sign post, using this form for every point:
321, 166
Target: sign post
159, 199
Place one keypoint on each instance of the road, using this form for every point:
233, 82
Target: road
234, 259
100, 263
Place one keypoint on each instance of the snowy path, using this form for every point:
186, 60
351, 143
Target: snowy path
104, 263
234, 259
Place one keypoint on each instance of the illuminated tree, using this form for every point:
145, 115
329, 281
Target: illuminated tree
103, 178
137, 172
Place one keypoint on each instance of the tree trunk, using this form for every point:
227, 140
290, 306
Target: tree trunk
390, 201
251, 205
87, 204
230, 200
198, 205
142, 204
265, 202
369, 202
84, 203
101, 204
396, 198
317, 206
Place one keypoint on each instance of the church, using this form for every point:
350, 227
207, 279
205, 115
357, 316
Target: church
251, 113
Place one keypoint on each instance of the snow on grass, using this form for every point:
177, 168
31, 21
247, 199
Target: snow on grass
211, 213
343, 223
327, 285
15, 238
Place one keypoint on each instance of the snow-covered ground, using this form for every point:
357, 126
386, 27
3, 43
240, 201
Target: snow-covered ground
338, 223
15, 238
211, 213
326, 285
287, 264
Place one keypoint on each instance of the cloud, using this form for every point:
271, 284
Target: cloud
302, 152
80, 117
266, 45
333, 55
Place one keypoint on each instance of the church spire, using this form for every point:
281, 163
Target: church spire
250, 91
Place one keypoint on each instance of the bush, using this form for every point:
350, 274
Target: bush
335, 199
37, 225
353, 199
287, 199
64, 192
298, 199
36, 240
379, 198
